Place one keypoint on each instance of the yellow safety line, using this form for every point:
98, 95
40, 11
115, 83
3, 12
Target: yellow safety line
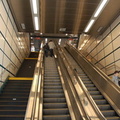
31, 58
35, 52
20, 78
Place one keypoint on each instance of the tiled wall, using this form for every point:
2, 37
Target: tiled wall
14, 46
104, 51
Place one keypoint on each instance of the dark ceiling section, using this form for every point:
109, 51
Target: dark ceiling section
70, 14
73, 15
109, 14
22, 14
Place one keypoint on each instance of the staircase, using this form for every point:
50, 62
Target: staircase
54, 102
13, 99
99, 99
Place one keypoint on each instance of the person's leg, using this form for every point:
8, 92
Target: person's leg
46, 53
51, 52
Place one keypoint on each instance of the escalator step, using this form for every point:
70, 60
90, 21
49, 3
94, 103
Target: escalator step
53, 95
61, 111
105, 107
108, 113
89, 85
51, 80
16, 91
87, 82
54, 100
56, 117
12, 107
52, 84
97, 97
15, 95
13, 103
12, 117
92, 88
52, 87
19, 98
53, 90
113, 118
101, 102
55, 105
94, 92
12, 112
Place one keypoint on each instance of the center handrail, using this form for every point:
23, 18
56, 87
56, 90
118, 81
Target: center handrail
32, 110
82, 93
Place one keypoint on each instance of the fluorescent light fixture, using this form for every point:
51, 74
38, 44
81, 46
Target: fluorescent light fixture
100, 8
36, 23
34, 3
59, 41
46, 40
89, 25
23, 26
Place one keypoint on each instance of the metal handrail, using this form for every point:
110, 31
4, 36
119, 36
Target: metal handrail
96, 68
32, 110
103, 83
86, 98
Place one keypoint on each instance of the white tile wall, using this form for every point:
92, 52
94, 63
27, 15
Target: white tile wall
11, 53
108, 48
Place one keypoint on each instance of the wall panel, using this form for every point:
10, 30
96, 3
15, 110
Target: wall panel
11, 53
107, 51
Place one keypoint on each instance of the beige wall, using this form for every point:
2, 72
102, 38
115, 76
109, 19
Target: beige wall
104, 50
14, 46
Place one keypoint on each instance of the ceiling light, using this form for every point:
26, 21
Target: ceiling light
34, 2
59, 41
36, 23
46, 40
99, 29
62, 29
89, 25
23, 26
100, 8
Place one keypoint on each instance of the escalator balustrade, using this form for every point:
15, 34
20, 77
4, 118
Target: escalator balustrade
99, 99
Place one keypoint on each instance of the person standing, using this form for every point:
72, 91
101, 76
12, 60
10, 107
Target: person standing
46, 49
116, 78
51, 47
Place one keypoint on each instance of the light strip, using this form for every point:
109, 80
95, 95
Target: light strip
100, 8
46, 40
89, 25
34, 6
36, 23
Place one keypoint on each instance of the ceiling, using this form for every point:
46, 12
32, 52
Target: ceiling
55, 14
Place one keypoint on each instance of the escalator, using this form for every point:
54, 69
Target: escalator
13, 99
15, 94
99, 99
54, 101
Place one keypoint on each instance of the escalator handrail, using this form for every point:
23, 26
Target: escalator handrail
112, 97
86, 114
96, 68
32, 110
87, 95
